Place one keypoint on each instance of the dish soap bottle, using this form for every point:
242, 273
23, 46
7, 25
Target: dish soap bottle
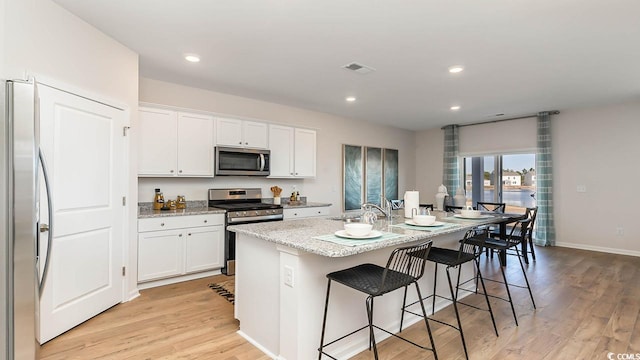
158, 201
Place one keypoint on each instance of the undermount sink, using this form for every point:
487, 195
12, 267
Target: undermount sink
346, 218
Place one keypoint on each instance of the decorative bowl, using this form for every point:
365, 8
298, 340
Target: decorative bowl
358, 229
468, 213
424, 219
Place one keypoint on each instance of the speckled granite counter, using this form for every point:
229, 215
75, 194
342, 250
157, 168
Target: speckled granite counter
299, 234
145, 210
308, 204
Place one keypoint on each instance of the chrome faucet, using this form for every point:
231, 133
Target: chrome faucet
386, 211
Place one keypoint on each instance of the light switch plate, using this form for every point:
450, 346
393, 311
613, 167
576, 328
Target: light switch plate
581, 188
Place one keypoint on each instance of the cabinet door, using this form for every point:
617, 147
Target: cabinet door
254, 134
195, 145
229, 132
157, 136
305, 153
281, 146
204, 248
160, 254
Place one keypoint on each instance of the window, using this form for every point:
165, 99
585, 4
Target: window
514, 183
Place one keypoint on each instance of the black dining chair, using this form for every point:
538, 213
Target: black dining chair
427, 206
491, 207
451, 208
404, 267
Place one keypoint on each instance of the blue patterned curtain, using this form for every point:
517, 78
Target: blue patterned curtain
451, 168
545, 232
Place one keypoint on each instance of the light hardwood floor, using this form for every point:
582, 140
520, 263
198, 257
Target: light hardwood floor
588, 305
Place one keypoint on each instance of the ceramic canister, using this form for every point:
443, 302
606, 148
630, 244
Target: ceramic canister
411, 203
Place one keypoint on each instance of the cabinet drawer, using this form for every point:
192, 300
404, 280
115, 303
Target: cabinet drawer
179, 222
297, 213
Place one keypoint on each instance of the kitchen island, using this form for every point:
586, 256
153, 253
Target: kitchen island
281, 283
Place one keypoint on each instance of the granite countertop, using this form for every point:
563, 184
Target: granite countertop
145, 210
299, 234
306, 205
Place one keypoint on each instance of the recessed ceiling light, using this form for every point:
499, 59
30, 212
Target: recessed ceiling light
350, 98
454, 108
192, 58
456, 69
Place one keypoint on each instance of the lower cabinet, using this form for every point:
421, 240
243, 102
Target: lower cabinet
179, 245
305, 212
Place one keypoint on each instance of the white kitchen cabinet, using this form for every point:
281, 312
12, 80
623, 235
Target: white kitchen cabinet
174, 144
241, 133
305, 212
293, 152
172, 247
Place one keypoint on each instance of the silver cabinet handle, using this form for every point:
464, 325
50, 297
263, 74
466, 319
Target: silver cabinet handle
179, 235
189, 234
246, 143
205, 221
44, 227
161, 224
171, 171
180, 171
240, 143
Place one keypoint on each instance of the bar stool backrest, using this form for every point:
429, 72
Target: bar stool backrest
408, 260
472, 243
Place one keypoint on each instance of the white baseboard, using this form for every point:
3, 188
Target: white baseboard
173, 280
260, 347
598, 249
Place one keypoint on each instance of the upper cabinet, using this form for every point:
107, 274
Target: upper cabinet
174, 144
293, 152
241, 133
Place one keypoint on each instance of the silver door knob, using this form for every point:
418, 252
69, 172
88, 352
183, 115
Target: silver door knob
44, 227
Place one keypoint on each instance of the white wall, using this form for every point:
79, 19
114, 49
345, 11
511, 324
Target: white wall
598, 147
332, 132
45, 40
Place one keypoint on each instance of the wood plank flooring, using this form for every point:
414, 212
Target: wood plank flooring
588, 304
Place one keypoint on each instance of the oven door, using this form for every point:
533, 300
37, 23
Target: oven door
230, 247
243, 162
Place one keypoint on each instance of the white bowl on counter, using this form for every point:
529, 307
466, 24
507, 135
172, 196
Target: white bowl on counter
470, 213
424, 219
358, 229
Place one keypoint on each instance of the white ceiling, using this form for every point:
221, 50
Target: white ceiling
520, 57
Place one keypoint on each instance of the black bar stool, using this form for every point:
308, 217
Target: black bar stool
468, 251
511, 246
404, 267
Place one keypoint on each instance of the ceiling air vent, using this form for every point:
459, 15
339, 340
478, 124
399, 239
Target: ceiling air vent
359, 68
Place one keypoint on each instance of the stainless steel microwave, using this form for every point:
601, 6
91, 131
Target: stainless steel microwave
241, 162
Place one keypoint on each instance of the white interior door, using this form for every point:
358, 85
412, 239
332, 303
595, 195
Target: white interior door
84, 148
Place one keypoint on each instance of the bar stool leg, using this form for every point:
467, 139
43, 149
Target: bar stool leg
426, 322
455, 308
404, 304
506, 285
324, 320
486, 297
524, 273
372, 339
435, 283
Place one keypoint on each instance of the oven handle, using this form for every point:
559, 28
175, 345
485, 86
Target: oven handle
262, 163
255, 219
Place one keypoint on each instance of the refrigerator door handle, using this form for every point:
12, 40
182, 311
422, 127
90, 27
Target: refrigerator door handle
46, 227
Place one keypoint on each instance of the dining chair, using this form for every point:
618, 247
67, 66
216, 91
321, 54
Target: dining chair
405, 267
527, 241
451, 208
427, 206
491, 206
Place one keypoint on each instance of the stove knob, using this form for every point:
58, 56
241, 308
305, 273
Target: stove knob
244, 213
237, 213
257, 213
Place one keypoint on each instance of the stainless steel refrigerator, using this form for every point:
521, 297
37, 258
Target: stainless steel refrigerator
20, 227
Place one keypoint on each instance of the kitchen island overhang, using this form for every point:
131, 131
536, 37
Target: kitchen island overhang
281, 284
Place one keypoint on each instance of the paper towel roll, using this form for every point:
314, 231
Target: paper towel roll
411, 201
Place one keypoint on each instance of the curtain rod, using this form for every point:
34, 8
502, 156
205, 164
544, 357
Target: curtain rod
552, 112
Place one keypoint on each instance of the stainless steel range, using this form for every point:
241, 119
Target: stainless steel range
244, 206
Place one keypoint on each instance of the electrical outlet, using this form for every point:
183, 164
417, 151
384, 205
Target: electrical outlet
581, 188
619, 231
288, 276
